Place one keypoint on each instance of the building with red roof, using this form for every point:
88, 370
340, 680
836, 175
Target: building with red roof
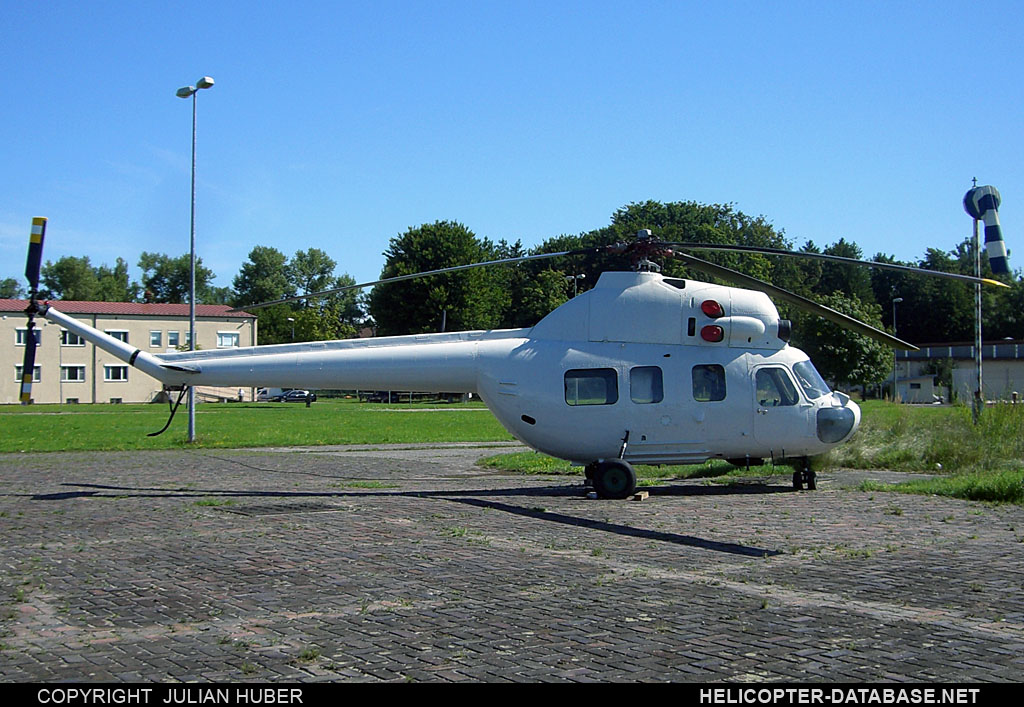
69, 369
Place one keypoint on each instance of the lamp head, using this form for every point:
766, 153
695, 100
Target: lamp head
185, 91
205, 82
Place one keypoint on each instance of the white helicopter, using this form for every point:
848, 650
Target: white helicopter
642, 368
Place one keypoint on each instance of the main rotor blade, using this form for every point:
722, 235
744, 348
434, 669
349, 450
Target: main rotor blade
439, 271
795, 300
834, 258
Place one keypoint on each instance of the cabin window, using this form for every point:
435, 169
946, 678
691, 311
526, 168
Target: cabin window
645, 385
591, 386
774, 388
708, 383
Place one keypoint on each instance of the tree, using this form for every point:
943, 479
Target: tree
310, 271
852, 280
844, 357
11, 289
528, 290
263, 278
462, 300
268, 275
167, 279
70, 278
114, 285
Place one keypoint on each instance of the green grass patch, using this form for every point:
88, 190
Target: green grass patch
933, 439
990, 486
44, 428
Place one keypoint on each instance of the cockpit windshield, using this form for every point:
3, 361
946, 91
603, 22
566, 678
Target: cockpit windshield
810, 380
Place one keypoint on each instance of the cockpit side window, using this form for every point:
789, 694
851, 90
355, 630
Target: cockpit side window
810, 380
774, 388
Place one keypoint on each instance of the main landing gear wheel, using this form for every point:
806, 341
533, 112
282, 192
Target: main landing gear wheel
803, 476
614, 478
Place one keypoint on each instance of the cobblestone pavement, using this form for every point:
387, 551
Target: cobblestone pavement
377, 564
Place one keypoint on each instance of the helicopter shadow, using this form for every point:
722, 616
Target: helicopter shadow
492, 499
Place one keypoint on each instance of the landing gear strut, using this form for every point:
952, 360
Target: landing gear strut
802, 475
613, 478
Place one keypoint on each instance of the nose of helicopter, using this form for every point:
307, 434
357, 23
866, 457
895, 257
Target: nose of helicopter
838, 423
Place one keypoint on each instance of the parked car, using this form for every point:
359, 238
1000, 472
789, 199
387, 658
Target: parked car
298, 396
269, 395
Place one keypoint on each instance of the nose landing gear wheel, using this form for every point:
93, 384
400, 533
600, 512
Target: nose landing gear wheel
614, 478
803, 475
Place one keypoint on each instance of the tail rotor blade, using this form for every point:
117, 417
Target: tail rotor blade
32, 268
29, 364
35, 254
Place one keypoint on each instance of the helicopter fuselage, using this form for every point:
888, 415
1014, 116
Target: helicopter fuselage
643, 367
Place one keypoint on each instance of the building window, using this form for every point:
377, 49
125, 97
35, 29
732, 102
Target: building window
120, 334
20, 335
72, 374
115, 374
227, 339
172, 339
36, 373
774, 388
591, 386
708, 383
156, 339
645, 384
69, 338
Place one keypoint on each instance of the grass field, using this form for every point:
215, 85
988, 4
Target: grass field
47, 428
984, 462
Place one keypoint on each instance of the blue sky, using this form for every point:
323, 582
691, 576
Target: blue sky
338, 125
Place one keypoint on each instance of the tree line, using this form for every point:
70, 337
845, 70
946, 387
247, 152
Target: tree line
932, 310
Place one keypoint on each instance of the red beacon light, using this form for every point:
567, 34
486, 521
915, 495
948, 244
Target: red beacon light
711, 308
712, 333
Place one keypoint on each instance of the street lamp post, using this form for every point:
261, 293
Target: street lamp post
190, 92
895, 301
575, 279
292, 320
